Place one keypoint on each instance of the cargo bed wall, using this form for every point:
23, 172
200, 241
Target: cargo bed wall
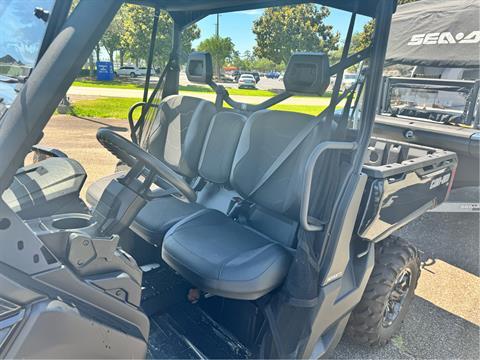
463, 141
404, 181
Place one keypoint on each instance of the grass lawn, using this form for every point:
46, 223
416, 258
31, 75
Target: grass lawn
117, 84
117, 108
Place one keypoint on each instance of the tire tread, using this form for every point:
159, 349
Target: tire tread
391, 256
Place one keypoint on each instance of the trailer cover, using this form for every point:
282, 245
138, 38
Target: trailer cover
436, 33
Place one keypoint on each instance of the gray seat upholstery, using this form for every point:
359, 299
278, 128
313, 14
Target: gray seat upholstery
227, 258
231, 259
223, 257
159, 215
96, 189
177, 134
215, 162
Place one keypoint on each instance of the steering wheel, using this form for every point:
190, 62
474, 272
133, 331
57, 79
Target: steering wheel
144, 165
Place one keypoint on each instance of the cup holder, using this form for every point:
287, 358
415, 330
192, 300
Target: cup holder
70, 223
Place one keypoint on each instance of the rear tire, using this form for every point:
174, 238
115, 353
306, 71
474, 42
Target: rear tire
132, 74
389, 292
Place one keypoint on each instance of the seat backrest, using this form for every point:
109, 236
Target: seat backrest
275, 146
176, 135
265, 136
220, 145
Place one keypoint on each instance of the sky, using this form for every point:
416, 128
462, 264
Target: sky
21, 33
238, 26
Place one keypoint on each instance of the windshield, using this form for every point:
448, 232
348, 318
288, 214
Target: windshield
21, 34
446, 104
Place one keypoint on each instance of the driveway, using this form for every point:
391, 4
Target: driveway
445, 315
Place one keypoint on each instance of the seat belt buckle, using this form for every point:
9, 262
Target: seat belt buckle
238, 207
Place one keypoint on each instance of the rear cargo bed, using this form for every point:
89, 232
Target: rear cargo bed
404, 181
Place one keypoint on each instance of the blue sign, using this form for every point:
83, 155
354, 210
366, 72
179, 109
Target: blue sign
105, 71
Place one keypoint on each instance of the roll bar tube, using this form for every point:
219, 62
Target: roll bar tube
48, 83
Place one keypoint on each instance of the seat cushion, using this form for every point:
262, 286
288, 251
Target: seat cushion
223, 257
220, 145
156, 218
95, 190
159, 215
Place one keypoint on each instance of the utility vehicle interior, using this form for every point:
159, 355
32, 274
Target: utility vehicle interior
225, 232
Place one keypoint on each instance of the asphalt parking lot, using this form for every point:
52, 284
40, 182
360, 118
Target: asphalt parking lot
445, 315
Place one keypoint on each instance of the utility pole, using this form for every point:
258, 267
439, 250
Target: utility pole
217, 33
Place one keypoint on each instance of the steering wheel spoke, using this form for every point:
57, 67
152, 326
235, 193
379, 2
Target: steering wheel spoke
146, 166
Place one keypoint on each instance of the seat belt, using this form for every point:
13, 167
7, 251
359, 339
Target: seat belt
295, 143
141, 121
284, 155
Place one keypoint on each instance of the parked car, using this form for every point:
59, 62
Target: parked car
272, 75
348, 80
255, 74
247, 81
131, 71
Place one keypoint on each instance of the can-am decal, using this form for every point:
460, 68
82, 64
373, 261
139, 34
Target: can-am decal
440, 181
441, 38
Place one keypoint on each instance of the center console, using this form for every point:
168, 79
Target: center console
98, 260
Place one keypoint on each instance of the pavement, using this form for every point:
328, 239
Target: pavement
444, 319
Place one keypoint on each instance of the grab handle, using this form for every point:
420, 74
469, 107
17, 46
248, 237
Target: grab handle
305, 221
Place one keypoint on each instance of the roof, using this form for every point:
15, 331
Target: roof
201, 8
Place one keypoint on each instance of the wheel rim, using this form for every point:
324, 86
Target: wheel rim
397, 298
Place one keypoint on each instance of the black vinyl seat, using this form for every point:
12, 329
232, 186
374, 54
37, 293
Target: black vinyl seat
227, 258
231, 259
175, 136
214, 164
216, 158
196, 141
221, 256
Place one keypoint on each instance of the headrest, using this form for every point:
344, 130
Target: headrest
307, 73
199, 67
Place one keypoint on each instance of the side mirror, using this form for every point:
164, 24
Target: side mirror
199, 68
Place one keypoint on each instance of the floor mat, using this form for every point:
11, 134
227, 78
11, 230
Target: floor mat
161, 288
187, 332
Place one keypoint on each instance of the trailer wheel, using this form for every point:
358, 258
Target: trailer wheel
390, 289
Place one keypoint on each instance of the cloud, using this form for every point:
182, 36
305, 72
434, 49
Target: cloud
253, 12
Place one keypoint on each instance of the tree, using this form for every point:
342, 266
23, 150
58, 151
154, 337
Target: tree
364, 38
281, 31
263, 65
137, 24
112, 38
163, 42
220, 48
137, 27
